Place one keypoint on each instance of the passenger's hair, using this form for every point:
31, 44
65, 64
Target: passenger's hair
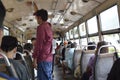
69, 44
20, 48
91, 47
8, 43
32, 39
73, 45
42, 13
28, 46
104, 49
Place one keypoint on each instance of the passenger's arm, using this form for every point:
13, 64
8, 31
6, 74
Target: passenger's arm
30, 3
35, 63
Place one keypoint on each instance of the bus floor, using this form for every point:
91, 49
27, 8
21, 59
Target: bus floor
59, 76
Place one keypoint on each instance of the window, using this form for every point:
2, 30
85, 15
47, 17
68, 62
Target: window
78, 44
82, 29
84, 41
94, 39
109, 19
92, 25
77, 41
75, 32
114, 39
67, 35
5, 31
71, 33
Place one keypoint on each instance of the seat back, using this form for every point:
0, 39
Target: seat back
76, 58
23, 61
103, 64
6, 66
69, 57
86, 55
28, 59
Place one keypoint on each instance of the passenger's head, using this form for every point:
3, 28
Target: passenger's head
9, 44
91, 46
28, 47
65, 43
69, 44
73, 45
41, 15
33, 40
104, 49
20, 48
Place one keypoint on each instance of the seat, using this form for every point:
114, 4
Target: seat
103, 64
76, 58
29, 62
76, 63
86, 55
6, 66
69, 57
23, 61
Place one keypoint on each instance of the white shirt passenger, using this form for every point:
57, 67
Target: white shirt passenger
53, 46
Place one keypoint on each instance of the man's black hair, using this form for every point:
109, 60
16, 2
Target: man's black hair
28, 46
42, 13
8, 43
32, 39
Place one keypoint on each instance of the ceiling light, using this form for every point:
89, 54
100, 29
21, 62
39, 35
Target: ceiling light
27, 28
61, 11
74, 13
20, 0
24, 24
51, 16
10, 9
62, 24
19, 19
66, 20
30, 19
85, 0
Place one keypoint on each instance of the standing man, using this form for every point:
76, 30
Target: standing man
42, 54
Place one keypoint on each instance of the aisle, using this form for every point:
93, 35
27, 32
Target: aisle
59, 76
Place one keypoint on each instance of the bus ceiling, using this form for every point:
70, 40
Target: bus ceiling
62, 13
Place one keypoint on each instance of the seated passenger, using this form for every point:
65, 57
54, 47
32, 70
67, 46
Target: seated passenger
9, 49
88, 75
92, 46
115, 71
28, 49
19, 49
64, 68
